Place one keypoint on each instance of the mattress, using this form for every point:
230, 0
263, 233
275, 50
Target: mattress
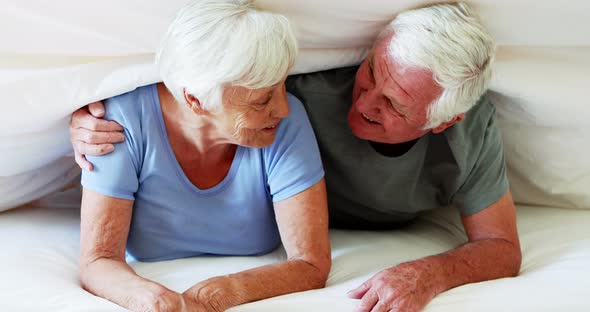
39, 262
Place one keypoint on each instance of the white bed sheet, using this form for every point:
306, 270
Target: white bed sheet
38, 266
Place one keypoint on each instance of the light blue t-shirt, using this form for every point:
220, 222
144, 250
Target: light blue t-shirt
172, 218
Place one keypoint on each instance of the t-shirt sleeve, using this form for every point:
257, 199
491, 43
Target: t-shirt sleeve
487, 181
116, 174
293, 162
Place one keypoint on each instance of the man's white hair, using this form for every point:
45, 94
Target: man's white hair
450, 41
214, 44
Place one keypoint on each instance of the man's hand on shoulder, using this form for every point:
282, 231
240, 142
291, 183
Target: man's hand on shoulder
90, 135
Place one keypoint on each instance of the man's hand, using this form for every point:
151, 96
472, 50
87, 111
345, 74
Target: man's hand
493, 251
91, 135
213, 295
403, 288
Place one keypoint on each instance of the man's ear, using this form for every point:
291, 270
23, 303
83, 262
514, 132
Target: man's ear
445, 125
192, 102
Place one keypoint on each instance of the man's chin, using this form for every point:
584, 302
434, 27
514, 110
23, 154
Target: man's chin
358, 132
357, 129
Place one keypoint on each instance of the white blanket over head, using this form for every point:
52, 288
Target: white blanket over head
58, 56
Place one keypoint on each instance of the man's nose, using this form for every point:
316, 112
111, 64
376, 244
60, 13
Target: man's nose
369, 96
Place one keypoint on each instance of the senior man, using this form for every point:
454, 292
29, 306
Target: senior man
420, 134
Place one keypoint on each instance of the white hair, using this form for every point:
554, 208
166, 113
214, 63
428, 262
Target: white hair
214, 44
450, 41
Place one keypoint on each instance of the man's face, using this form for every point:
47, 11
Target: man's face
390, 101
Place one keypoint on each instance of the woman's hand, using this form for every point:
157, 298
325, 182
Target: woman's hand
212, 295
156, 298
91, 135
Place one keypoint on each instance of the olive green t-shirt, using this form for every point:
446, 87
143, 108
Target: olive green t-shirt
463, 166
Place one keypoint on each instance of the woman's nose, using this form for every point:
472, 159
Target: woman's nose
281, 109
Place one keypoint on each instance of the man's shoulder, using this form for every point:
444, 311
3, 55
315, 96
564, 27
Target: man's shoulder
327, 82
473, 128
468, 141
476, 144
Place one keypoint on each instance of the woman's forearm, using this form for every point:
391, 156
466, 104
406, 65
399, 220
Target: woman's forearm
279, 279
259, 283
116, 281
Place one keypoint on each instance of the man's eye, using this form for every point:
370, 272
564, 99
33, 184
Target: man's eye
395, 109
370, 72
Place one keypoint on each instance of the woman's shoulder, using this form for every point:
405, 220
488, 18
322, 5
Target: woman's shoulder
294, 127
296, 122
128, 109
297, 111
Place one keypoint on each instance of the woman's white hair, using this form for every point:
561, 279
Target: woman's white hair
214, 44
450, 41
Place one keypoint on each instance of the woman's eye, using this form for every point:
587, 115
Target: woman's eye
261, 105
264, 102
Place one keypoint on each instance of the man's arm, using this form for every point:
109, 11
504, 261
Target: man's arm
493, 252
91, 135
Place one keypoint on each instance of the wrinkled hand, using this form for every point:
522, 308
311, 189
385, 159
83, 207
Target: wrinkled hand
403, 288
91, 135
156, 299
213, 295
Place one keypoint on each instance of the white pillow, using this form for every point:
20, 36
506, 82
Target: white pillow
544, 113
28, 186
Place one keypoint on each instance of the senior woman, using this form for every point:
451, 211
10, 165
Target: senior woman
220, 160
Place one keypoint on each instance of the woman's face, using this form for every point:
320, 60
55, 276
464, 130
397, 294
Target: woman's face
251, 117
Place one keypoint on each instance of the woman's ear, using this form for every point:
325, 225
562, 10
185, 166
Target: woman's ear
192, 102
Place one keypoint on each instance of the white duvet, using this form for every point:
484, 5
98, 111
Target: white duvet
39, 263
57, 56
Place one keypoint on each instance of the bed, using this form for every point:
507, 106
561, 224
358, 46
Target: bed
40, 257
67, 54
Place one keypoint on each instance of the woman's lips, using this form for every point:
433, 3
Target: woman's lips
271, 128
